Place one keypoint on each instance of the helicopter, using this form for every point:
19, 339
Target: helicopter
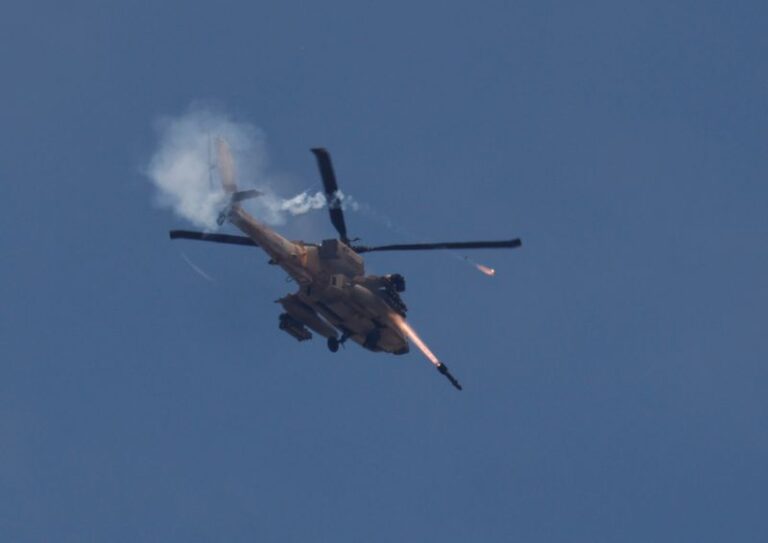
335, 298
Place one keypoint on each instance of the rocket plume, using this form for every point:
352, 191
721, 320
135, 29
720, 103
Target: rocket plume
490, 272
411, 334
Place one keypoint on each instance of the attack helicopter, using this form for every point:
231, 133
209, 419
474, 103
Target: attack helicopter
335, 298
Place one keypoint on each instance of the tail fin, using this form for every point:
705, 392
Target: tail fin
226, 166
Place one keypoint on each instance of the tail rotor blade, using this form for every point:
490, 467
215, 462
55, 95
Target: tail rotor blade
331, 192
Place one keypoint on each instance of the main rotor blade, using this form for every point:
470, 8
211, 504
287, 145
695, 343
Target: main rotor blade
509, 244
217, 238
331, 192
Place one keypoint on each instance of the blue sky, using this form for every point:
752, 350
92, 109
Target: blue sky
614, 369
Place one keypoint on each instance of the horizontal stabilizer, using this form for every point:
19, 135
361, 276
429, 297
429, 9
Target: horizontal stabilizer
216, 238
245, 195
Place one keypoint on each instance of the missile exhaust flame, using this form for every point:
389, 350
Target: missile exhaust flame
411, 334
490, 272
406, 329
486, 270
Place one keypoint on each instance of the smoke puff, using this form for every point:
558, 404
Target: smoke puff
301, 203
187, 181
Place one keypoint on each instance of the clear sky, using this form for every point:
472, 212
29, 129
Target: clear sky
614, 369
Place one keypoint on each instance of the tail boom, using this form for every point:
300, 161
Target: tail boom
288, 255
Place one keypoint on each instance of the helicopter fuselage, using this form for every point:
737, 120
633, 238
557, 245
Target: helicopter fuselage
336, 299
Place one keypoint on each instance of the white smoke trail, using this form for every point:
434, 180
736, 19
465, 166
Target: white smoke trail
197, 268
187, 181
302, 203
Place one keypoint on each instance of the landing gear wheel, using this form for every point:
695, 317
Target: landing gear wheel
333, 344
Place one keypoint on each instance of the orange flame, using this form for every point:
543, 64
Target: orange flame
490, 272
415, 339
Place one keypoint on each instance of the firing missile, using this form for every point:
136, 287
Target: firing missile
442, 368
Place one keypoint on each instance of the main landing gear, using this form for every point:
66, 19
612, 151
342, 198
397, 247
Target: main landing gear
334, 343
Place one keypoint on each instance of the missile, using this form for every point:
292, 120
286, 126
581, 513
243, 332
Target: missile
442, 368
